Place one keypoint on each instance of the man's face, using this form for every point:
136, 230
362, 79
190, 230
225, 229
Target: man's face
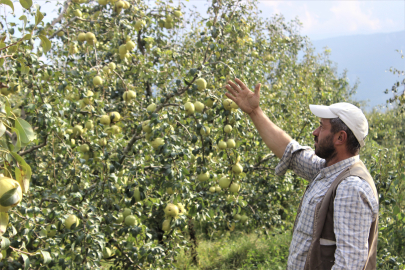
324, 146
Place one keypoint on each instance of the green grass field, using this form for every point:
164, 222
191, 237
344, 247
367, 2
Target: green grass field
238, 250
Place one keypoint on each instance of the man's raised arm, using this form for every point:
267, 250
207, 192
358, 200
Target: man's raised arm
274, 137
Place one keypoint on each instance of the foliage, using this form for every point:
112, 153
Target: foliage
385, 159
15, 133
115, 137
398, 98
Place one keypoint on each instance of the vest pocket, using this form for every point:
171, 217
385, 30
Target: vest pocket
305, 222
327, 256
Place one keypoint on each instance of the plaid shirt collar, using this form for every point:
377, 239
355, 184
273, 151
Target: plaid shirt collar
328, 172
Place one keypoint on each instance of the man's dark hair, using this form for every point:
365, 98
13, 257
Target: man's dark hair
353, 144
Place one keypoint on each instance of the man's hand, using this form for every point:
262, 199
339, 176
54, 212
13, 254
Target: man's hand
273, 136
243, 97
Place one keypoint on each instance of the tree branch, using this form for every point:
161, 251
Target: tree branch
59, 18
129, 145
266, 158
5, 56
34, 147
262, 169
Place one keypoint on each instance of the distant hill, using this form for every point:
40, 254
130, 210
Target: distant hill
367, 58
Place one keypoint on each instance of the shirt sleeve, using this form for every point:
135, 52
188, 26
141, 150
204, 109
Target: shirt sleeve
301, 159
355, 208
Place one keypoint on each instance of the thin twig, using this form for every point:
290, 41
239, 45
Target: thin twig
184, 128
5, 56
19, 250
34, 147
266, 158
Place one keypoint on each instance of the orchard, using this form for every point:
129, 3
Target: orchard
117, 139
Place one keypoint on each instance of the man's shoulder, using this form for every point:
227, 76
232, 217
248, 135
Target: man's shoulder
354, 181
353, 190
356, 186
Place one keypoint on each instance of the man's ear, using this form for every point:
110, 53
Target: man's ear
342, 137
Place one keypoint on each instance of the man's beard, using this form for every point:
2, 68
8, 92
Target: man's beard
325, 149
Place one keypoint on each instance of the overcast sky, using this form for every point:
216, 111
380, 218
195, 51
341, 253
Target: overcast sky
321, 19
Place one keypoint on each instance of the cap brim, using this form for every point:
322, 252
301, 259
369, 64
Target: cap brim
322, 111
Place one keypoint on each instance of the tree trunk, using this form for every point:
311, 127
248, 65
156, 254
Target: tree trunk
193, 239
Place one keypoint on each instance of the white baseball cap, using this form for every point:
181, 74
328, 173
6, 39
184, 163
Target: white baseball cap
351, 115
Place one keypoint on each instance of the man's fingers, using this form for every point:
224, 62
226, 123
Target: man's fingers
231, 97
235, 87
230, 90
241, 84
257, 89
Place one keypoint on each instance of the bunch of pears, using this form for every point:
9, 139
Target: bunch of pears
172, 211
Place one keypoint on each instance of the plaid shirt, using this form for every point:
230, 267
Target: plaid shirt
355, 208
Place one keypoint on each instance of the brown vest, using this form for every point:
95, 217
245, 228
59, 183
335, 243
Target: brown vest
323, 258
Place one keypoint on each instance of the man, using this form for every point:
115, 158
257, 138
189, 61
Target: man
336, 225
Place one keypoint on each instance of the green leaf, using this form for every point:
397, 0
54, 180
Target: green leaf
5, 242
8, 3
4, 144
242, 203
46, 44
46, 256
42, 233
27, 4
2, 129
24, 18
8, 108
27, 37
38, 17
3, 226
18, 176
25, 172
24, 69
396, 210
17, 144
26, 261
193, 211
185, 171
26, 132
10, 198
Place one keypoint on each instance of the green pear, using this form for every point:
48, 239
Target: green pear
130, 45
203, 176
129, 95
171, 210
201, 84
130, 220
231, 143
157, 142
151, 108
222, 145
97, 81
228, 128
234, 188
105, 119
199, 106
224, 182
237, 168
189, 107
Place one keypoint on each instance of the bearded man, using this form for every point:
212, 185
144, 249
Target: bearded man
336, 225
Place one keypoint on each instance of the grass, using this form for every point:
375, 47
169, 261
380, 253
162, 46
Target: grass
239, 250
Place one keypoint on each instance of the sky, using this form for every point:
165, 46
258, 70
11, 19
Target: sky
321, 19
326, 19
334, 18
